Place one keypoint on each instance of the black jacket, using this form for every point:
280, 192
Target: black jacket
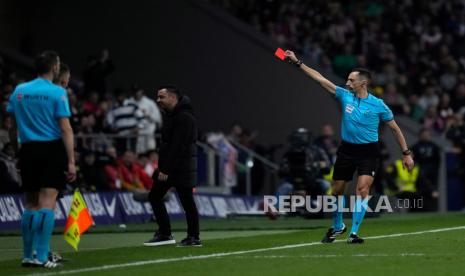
178, 150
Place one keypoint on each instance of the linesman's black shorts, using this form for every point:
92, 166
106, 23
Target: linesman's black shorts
43, 165
363, 158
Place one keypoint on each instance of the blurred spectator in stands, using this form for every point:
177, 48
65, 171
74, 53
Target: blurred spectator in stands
10, 181
151, 122
93, 176
402, 183
427, 156
432, 121
235, 132
149, 162
96, 71
327, 142
132, 175
111, 169
429, 98
125, 120
458, 99
5, 124
91, 105
416, 112
445, 111
86, 127
345, 61
394, 100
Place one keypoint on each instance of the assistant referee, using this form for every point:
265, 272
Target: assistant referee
46, 155
361, 115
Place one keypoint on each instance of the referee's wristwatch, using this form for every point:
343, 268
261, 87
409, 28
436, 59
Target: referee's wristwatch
407, 152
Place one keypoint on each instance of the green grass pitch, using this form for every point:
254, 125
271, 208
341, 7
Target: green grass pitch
395, 245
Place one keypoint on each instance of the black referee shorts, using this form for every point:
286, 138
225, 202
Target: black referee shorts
43, 165
363, 158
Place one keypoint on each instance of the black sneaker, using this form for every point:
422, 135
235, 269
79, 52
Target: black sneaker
353, 238
55, 257
36, 263
332, 234
160, 239
190, 241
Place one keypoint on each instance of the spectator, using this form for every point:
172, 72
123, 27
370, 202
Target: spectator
131, 174
151, 121
327, 142
125, 120
10, 181
235, 132
93, 176
445, 111
429, 98
427, 156
5, 124
96, 71
111, 169
432, 121
149, 162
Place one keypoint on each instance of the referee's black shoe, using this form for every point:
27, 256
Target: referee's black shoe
160, 239
332, 234
190, 241
353, 238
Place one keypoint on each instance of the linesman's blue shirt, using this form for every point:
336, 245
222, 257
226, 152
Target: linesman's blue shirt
361, 117
37, 106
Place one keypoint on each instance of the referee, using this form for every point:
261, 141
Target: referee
358, 151
46, 156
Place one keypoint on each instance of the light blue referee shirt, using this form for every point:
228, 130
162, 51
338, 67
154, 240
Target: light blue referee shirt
361, 117
37, 106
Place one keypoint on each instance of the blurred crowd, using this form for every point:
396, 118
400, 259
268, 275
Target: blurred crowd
414, 48
114, 130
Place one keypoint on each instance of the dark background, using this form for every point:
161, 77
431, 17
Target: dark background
229, 72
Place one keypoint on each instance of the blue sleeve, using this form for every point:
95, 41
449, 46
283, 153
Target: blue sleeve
386, 113
62, 106
341, 93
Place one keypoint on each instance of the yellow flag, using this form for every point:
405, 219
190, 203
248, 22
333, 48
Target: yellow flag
79, 220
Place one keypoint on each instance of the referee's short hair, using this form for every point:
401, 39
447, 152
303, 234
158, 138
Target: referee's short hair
171, 89
362, 72
45, 61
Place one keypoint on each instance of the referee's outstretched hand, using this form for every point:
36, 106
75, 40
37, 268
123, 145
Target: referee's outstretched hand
407, 162
290, 55
71, 173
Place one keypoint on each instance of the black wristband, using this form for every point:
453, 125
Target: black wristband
407, 152
298, 63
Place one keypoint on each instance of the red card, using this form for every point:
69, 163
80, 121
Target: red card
280, 54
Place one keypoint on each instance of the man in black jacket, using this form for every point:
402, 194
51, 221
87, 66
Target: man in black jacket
177, 167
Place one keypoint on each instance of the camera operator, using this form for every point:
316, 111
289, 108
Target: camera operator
303, 166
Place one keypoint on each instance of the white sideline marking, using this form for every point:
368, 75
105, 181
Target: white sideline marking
215, 255
328, 256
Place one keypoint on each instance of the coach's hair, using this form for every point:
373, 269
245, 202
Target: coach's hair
363, 73
45, 61
172, 89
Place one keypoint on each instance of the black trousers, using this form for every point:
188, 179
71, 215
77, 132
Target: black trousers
186, 197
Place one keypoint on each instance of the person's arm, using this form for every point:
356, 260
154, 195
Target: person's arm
68, 140
407, 160
324, 82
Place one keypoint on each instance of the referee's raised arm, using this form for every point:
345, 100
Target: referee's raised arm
324, 82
